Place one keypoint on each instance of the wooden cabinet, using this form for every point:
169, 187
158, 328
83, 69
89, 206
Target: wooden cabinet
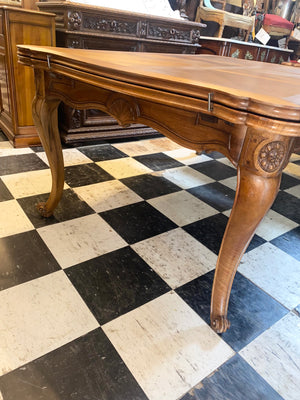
91, 27
20, 26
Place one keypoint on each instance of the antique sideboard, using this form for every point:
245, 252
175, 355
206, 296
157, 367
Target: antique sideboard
91, 27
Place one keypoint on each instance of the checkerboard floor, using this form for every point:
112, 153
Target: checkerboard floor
109, 298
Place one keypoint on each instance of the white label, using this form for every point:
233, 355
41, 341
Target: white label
282, 43
296, 34
263, 36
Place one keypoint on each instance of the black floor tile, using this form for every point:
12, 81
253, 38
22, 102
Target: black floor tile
209, 231
116, 283
85, 174
215, 169
21, 163
234, 380
158, 161
88, 368
215, 155
149, 186
101, 152
137, 221
24, 257
215, 194
288, 181
68, 208
289, 242
251, 311
4, 192
287, 205
3, 138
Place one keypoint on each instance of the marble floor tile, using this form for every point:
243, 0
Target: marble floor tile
265, 266
78, 240
50, 314
230, 182
71, 157
215, 169
289, 242
158, 161
273, 225
101, 152
287, 205
124, 167
293, 170
4, 192
14, 164
6, 149
167, 347
287, 181
150, 185
13, 219
88, 368
187, 156
85, 174
24, 257
275, 355
116, 283
107, 195
215, 194
182, 207
295, 191
147, 146
29, 183
137, 222
185, 177
176, 256
234, 380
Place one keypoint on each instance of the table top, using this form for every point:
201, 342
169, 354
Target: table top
265, 89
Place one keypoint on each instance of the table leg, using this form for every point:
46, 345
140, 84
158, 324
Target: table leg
255, 195
44, 112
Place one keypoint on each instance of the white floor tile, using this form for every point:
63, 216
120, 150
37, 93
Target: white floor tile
273, 225
176, 256
182, 207
80, 239
107, 195
274, 271
230, 182
147, 146
187, 156
124, 167
29, 183
293, 170
38, 317
6, 149
167, 346
71, 157
276, 356
13, 219
295, 191
185, 177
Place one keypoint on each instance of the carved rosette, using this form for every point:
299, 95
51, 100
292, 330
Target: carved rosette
271, 156
168, 34
106, 25
195, 36
124, 109
74, 21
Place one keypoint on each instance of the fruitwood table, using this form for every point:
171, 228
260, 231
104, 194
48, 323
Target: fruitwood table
247, 110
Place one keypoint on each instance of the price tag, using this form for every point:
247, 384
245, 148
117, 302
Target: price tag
263, 36
296, 34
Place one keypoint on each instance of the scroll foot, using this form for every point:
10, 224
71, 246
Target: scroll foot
42, 209
220, 324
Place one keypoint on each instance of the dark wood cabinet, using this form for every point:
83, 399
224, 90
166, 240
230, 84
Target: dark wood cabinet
19, 26
91, 27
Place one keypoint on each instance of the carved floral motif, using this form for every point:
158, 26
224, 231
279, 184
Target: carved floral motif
195, 36
74, 21
271, 156
167, 33
124, 110
102, 24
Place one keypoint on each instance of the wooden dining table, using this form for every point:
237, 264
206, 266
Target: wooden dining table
249, 111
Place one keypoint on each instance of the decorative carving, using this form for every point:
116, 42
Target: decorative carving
273, 59
195, 36
74, 21
271, 156
142, 29
263, 55
248, 55
220, 324
76, 119
125, 110
74, 43
168, 34
95, 23
236, 54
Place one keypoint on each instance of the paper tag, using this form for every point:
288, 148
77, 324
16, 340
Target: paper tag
296, 34
282, 43
263, 36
